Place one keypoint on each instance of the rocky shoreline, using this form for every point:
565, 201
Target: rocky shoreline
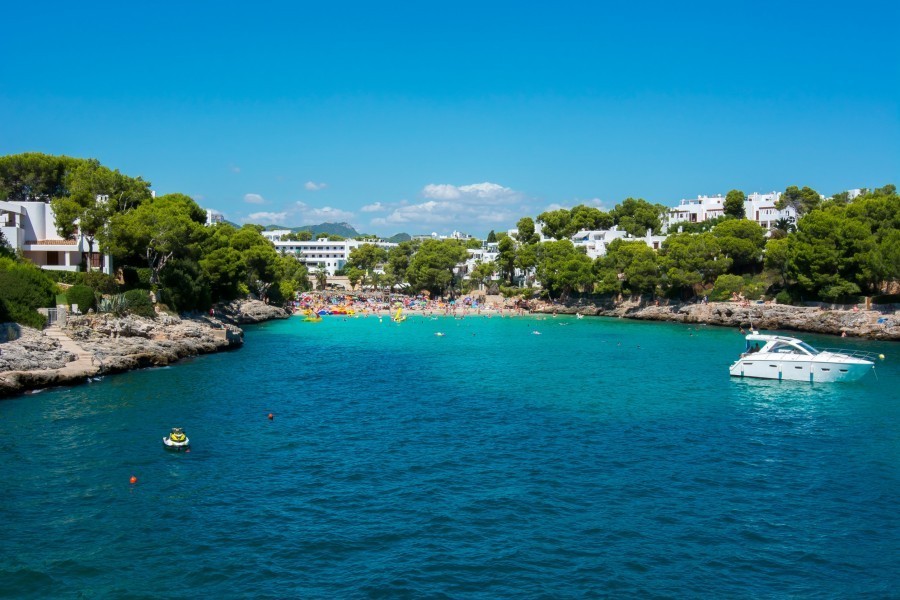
881, 324
96, 345
100, 344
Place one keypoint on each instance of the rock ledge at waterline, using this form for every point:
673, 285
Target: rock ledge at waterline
880, 324
94, 345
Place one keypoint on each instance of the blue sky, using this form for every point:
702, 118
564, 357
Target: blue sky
421, 117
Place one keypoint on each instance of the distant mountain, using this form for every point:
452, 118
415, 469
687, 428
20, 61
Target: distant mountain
345, 230
342, 229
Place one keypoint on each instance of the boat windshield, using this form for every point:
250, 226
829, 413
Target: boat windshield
808, 348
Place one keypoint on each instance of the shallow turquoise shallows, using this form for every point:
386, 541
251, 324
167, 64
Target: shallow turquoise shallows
601, 458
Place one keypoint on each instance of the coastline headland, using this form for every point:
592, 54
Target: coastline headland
99, 344
880, 323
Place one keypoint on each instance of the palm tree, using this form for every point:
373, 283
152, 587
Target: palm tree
785, 225
321, 278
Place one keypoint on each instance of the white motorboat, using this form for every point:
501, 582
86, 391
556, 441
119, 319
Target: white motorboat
780, 357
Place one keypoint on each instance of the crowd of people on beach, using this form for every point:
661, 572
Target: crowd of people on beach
370, 304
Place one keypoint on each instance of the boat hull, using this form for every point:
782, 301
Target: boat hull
176, 446
811, 371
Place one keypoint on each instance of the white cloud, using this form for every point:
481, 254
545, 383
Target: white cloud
267, 218
478, 205
594, 202
471, 193
254, 198
234, 168
311, 215
328, 214
375, 207
312, 186
441, 191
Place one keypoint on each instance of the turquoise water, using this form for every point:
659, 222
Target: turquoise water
603, 457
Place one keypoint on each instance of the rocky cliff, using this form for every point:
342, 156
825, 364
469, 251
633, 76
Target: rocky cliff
94, 345
242, 312
881, 324
121, 344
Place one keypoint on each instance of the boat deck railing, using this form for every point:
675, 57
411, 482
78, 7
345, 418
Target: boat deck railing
862, 354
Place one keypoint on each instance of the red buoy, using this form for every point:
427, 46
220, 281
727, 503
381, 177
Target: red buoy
133, 480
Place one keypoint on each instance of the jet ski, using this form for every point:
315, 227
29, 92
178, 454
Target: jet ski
176, 440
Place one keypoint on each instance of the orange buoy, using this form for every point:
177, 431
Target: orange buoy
133, 479
271, 416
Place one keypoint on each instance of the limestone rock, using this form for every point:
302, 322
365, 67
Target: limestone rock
883, 324
249, 311
113, 344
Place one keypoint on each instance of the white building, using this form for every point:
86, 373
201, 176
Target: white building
697, 211
596, 242
757, 207
486, 254
322, 253
213, 217
761, 208
31, 228
276, 234
456, 235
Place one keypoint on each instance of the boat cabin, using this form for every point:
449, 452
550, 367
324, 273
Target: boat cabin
777, 344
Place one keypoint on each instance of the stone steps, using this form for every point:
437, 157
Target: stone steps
84, 361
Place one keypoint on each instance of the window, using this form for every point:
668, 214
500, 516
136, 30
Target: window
782, 348
808, 348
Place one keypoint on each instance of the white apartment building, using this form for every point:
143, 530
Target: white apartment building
757, 207
596, 242
456, 235
321, 253
486, 254
31, 228
697, 211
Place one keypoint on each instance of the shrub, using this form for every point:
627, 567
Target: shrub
5, 249
510, 291
184, 286
83, 296
136, 277
138, 302
100, 281
24, 288
783, 297
279, 293
754, 288
21, 315
69, 277
725, 286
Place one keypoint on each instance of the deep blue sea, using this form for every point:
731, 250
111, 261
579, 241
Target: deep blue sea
603, 457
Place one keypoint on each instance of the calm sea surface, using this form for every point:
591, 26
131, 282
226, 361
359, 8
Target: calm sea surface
601, 458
